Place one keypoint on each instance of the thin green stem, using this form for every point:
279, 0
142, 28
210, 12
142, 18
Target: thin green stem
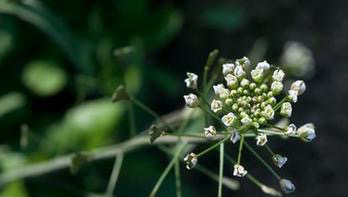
213, 146
240, 149
221, 169
131, 117
150, 111
212, 115
278, 105
178, 152
269, 132
262, 161
185, 135
114, 175
269, 149
177, 178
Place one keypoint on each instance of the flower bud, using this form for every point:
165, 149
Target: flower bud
245, 83
263, 65
191, 161
257, 74
235, 136
246, 120
239, 72
210, 132
191, 100
298, 86
216, 105
229, 119
261, 139
268, 112
244, 62
227, 68
287, 186
292, 95
279, 160
191, 80
291, 130
221, 91
278, 75
239, 171
232, 81
286, 109
307, 132
276, 87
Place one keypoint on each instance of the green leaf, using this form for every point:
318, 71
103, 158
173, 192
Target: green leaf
11, 102
44, 78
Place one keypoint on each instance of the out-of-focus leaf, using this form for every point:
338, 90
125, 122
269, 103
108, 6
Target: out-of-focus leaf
11, 160
6, 42
11, 102
44, 78
85, 126
223, 17
132, 78
15, 189
33, 12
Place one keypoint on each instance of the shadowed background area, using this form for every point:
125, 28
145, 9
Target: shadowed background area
60, 62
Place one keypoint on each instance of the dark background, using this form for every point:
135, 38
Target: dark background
74, 42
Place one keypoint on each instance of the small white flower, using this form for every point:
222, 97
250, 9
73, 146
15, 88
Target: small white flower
268, 112
239, 171
292, 95
307, 132
210, 132
191, 80
278, 75
298, 86
257, 74
235, 136
244, 62
245, 83
287, 186
216, 105
246, 120
286, 109
191, 161
291, 130
229, 119
239, 72
263, 65
221, 91
191, 100
261, 139
232, 81
276, 87
279, 160
227, 68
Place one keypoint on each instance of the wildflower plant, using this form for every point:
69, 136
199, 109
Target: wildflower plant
248, 102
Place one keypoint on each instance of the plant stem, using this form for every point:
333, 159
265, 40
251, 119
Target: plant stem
240, 149
213, 146
262, 161
269, 149
221, 169
131, 117
114, 175
280, 104
177, 179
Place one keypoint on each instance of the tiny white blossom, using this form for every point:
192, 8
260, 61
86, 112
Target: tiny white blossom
210, 132
191, 80
286, 109
278, 75
291, 130
229, 119
231, 80
264, 65
292, 95
261, 139
239, 72
244, 62
257, 74
246, 120
191, 100
276, 87
235, 136
287, 186
268, 112
239, 171
191, 161
221, 91
216, 105
307, 132
298, 86
279, 160
227, 68
245, 83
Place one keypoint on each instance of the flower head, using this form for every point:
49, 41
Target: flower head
263, 65
221, 91
286, 109
210, 132
191, 80
191, 161
261, 139
227, 68
231, 80
292, 95
279, 160
191, 100
229, 119
239, 171
239, 72
291, 130
298, 86
235, 137
307, 132
244, 62
278, 75
287, 186
216, 105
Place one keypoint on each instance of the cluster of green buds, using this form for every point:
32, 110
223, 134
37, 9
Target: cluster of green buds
248, 103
